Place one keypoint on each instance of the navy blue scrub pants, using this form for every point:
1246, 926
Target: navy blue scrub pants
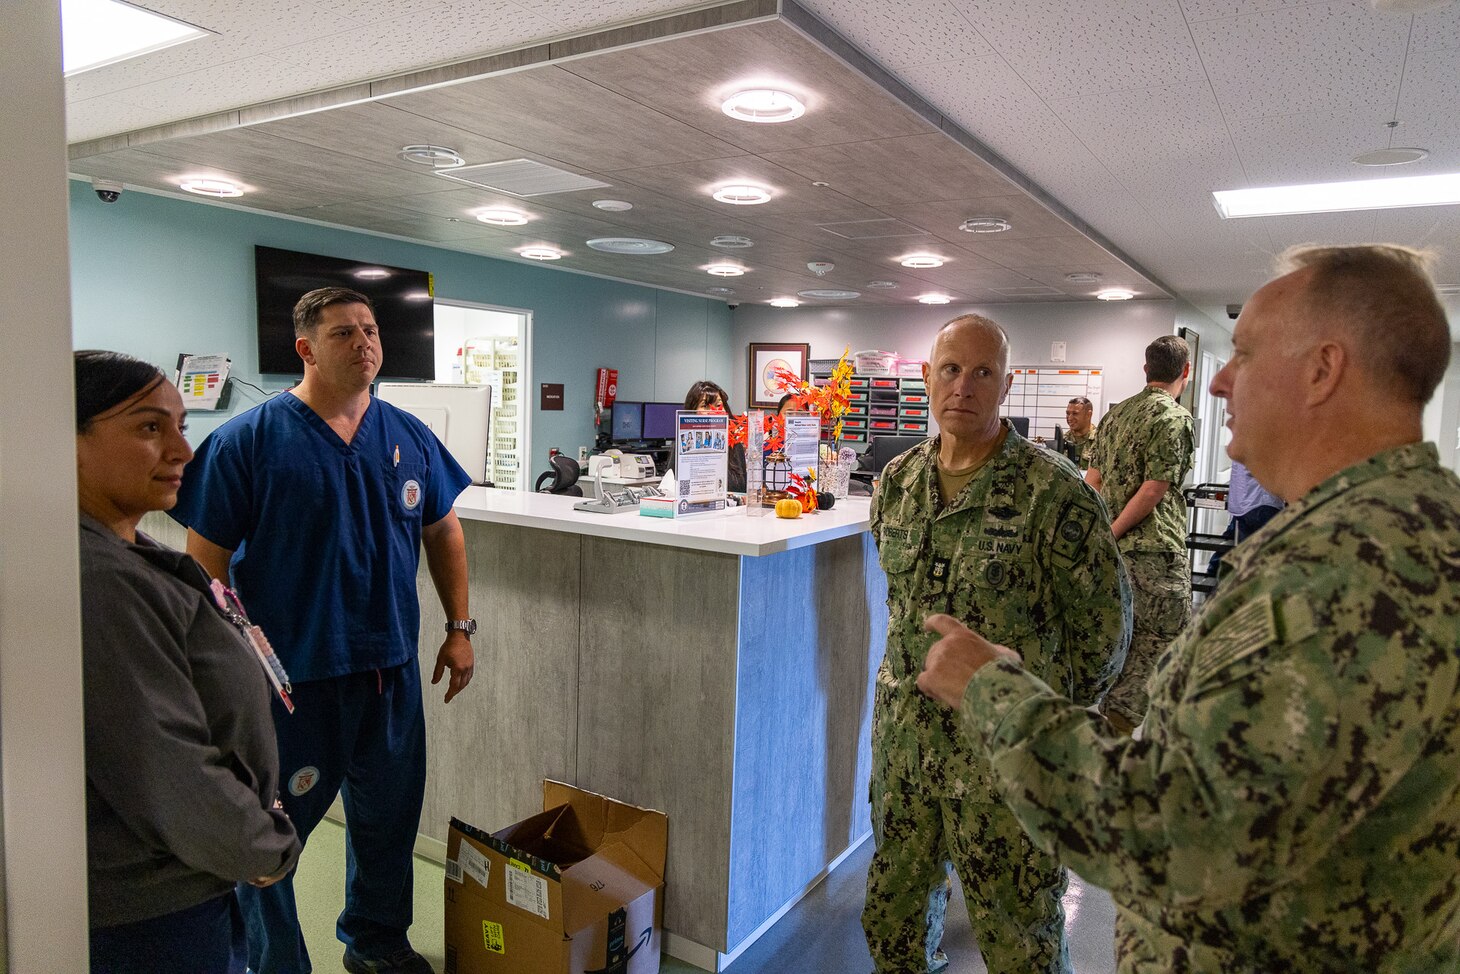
203, 939
363, 736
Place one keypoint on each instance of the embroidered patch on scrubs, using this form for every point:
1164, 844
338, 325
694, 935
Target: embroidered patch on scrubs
410, 495
303, 780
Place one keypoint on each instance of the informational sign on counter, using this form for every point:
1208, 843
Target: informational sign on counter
803, 441
701, 462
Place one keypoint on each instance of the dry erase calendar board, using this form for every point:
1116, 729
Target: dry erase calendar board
1043, 392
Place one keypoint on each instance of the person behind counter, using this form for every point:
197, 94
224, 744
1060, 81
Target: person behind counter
709, 396
181, 764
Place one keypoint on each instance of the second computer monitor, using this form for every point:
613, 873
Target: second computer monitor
659, 420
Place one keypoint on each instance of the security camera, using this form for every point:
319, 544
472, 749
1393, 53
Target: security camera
732, 305
107, 190
1233, 310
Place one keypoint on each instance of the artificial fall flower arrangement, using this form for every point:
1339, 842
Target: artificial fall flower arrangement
829, 401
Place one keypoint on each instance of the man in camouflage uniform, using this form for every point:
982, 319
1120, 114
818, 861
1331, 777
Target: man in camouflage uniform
1143, 453
1079, 438
979, 523
1294, 802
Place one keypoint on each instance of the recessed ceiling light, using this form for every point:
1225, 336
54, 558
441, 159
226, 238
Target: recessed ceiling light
435, 156
1115, 294
613, 206
221, 188
1363, 194
720, 290
630, 245
763, 105
417, 295
372, 273
725, 270
502, 217
830, 293
540, 253
730, 241
1391, 157
882, 285
785, 303
921, 260
934, 299
95, 33
985, 224
1082, 277
742, 194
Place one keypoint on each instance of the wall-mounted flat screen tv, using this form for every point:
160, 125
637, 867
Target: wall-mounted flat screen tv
403, 308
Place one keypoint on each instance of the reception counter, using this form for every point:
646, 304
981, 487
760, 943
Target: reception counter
717, 668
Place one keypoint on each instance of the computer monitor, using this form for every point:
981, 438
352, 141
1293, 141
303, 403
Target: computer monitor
887, 448
659, 419
628, 421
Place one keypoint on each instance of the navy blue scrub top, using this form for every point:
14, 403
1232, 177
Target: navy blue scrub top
326, 535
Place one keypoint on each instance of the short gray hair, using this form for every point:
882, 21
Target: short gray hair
1383, 296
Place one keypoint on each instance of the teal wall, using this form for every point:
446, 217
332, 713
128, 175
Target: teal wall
155, 276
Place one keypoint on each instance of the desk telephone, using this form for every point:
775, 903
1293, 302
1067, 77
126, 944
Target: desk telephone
616, 500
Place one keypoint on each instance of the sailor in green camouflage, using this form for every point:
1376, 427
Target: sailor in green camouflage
1141, 456
1079, 436
982, 524
1293, 804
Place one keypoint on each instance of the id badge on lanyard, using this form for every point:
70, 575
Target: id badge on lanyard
232, 609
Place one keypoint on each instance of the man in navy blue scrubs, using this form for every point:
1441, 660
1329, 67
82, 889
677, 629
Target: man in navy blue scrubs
316, 504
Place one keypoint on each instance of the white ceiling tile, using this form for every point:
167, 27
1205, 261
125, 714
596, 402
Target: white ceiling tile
1280, 149
585, 14
1066, 49
900, 34
248, 81
1197, 10
1321, 228
1150, 137
370, 11
240, 30
393, 46
1436, 29
1429, 106
1322, 57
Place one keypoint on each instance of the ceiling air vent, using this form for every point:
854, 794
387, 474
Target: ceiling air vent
521, 177
1028, 292
873, 229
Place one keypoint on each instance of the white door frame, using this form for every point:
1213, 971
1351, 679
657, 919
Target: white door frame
524, 408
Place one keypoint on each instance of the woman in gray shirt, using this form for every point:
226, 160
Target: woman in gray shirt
181, 766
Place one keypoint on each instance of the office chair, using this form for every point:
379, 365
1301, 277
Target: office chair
564, 477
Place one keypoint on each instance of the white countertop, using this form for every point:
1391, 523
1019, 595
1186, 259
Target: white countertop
732, 532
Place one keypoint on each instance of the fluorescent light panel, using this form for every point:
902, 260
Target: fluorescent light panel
95, 33
1362, 194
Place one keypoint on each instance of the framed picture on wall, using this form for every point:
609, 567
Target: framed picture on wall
1189, 395
765, 358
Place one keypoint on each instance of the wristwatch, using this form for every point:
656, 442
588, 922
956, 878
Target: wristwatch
468, 626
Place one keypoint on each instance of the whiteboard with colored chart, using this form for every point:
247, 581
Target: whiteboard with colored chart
1041, 393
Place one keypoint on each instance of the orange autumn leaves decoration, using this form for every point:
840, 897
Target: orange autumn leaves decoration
829, 401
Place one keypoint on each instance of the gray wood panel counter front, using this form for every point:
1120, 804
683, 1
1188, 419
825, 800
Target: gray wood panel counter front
718, 669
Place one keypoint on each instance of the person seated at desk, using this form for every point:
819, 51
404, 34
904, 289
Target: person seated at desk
707, 396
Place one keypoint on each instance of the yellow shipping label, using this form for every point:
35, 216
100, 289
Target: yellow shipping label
492, 937
515, 864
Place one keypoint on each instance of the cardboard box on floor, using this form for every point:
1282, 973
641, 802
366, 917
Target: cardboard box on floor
576, 889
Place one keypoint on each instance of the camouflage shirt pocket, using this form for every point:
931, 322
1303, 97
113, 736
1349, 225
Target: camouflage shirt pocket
899, 546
